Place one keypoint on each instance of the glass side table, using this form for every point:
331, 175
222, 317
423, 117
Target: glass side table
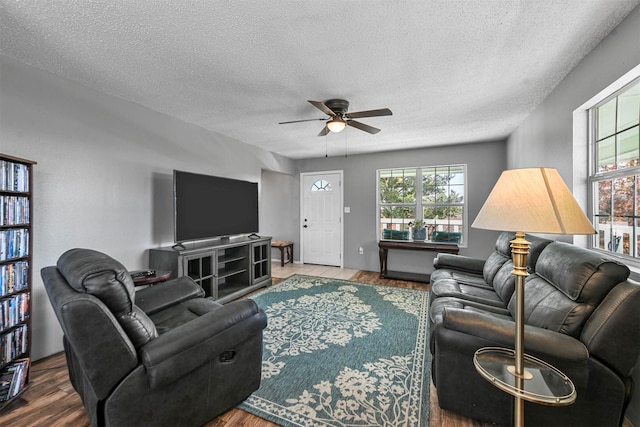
541, 382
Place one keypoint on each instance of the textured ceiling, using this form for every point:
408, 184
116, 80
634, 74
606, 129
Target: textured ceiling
452, 71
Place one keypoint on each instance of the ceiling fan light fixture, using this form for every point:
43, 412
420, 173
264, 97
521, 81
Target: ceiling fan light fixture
336, 124
337, 109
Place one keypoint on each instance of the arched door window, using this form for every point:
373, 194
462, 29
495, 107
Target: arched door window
321, 185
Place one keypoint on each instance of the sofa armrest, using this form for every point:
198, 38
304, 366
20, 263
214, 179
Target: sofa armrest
459, 262
163, 295
181, 350
561, 351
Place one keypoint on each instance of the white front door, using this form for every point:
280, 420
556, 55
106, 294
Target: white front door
322, 218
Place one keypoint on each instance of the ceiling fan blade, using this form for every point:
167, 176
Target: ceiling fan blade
324, 131
362, 126
370, 113
299, 121
320, 106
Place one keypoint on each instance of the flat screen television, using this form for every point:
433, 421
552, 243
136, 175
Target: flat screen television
207, 207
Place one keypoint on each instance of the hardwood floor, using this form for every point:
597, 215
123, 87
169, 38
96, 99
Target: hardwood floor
51, 401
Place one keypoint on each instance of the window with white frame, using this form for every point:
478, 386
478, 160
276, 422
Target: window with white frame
435, 195
615, 172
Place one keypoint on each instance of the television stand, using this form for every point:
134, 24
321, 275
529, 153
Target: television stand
225, 269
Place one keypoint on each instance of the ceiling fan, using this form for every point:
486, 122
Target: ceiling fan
337, 109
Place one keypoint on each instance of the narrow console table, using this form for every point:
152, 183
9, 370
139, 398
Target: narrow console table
385, 245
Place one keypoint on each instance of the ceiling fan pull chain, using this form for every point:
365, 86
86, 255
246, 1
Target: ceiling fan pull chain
345, 145
326, 150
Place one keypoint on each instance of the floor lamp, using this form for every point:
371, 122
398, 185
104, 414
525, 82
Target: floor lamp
532, 200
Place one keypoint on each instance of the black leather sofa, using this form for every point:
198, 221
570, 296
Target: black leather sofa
162, 356
582, 315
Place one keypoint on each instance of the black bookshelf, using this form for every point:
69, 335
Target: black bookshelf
16, 276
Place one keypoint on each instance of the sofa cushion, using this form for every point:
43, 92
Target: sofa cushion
503, 252
497, 258
503, 243
459, 263
453, 288
182, 313
603, 332
537, 245
580, 274
504, 282
547, 307
569, 283
491, 266
458, 276
439, 305
139, 328
98, 274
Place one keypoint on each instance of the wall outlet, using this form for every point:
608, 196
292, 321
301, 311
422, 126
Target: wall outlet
360, 250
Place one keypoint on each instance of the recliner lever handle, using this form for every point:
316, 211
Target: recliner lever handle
227, 356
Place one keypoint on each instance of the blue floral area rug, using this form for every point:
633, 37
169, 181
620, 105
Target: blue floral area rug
340, 353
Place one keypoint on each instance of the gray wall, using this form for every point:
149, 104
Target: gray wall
104, 173
545, 138
280, 217
485, 163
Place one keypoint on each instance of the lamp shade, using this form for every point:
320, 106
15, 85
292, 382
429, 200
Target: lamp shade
534, 200
336, 124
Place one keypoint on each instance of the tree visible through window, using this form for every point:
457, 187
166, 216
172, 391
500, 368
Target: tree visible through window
435, 195
615, 181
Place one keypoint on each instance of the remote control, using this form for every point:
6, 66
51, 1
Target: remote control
142, 274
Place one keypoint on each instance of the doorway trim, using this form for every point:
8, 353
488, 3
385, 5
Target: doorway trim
341, 196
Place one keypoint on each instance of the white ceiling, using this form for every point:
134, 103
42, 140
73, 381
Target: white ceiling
452, 71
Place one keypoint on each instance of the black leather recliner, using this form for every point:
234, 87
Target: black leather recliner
162, 356
581, 316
